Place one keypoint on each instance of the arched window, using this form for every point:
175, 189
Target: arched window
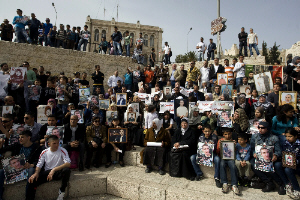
96, 37
132, 36
152, 41
146, 40
104, 33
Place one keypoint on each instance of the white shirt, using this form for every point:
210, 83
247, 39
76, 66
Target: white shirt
112, 81
216, 68
149, 118
204, 74
53, 159
239, 69
166, 49
251, 37
201, 46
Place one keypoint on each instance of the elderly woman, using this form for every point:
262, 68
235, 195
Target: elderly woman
240, 102
132, 125
155, 155
180, 163
96, 139
195, 120
240, 123
208, 97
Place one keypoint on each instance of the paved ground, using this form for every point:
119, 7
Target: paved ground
97, 197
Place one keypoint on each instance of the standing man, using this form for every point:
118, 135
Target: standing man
61, 36
20, 22
117, 38
193, 73
204, 73
47, 32
77, 38
167, 51
31, 76
180, 75
113, 80
251, 42
240, 71
162, 76
214, 70
243, 41
127, 43
201, 46
172, 78
228, 70
85, 36
6, 31
34, 25
211, 50
140, 42
98, 78
137, 77
149, 75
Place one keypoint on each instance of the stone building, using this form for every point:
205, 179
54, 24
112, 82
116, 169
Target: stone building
101, 28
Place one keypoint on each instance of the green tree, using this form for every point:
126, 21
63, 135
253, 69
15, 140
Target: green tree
274, 54
265, 52
187, 57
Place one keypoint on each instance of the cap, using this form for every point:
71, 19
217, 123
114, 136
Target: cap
76, 73
264, 124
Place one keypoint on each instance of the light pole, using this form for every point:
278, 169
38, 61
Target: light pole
55, 13
187, 40
219, 38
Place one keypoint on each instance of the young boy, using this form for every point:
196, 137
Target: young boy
209, 138
57, 163
227, 135
242, 163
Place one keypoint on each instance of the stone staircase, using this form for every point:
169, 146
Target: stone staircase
131, 182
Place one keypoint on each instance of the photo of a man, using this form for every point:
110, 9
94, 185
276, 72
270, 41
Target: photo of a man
181, 110
263, 162
131, 117
205, 154
121, 99
224, 119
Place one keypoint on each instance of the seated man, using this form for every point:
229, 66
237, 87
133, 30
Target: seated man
57, 162
31, 125
25, 146
74, 138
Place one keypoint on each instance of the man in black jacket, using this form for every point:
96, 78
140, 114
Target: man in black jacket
31, 151
214, 69
98, 78
243, 42
48, 92
198, 95
117, 38
74, 138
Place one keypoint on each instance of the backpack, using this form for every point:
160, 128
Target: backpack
170, 54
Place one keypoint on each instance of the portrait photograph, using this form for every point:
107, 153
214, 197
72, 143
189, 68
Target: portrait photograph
226, 89
253, 128
131, 117
227, 150
79, 114
136, 107
104, 104
289, 159
7, 110
152, 90
110, 116
181, 107
14, 170
222, 78
84, 95
55, 130
246, 89
234, 93
93, 100
117, 135
60, 94
263, 161
121, 99
224, 118
205, 154
34, 93
263, 82
43, 111
167, 91
17, 74
288, 97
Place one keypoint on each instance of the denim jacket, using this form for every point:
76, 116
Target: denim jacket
295, 148
267, 139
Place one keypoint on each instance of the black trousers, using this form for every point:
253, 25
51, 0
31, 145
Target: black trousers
243, 44
63, 174
80, 148
89, 154
109, 148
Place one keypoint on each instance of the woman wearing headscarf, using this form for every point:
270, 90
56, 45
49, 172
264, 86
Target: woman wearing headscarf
195, 120
240, 123
155, 155
208, 97
131, 125
180, 163
268, 107
242, 103
292, 71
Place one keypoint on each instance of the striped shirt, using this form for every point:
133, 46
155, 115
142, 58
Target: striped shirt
229, 71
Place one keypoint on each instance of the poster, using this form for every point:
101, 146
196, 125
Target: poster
93, 101
181, 107
141, 96
55, 130
246, 89
227, 150
277, 72
147, 99
3, 84
7, 110
288, 97
34, 93
84, 94
226, 89
249, 68
60, 94
131, 117
14, 138
79, 114
224, 119
263, 160
204, 105
117, 135
17, 74
166, 106
110, 116
263, 82
205, 154
14, 169
222, 78
104, 104
136, 107
43, 111
253, 128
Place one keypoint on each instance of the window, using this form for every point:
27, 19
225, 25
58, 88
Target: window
104, 33
152, 41
146, 40
96, 37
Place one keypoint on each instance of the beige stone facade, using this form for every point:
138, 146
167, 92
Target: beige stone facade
152, 34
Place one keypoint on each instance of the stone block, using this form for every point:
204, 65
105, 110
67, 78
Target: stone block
150, 190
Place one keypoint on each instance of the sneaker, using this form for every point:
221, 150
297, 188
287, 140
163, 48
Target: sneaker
225, 188
218, 183
289, 190
235, 190
296, 194
61, 195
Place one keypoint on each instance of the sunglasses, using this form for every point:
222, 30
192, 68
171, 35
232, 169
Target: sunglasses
261, 127
5, 121
26, 118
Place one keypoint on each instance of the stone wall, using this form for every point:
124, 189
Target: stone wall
57, 60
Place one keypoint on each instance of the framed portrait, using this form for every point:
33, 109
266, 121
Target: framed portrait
43, 111
248, 68
289, 159
167, 90
234, 93
110, 115
84, 94
181, 107
131, 117
121, 99
246, 89
117, 135
147, 98
263, 160
7, 110
14, 170
227, 150
224, 118
205, 154
136, 107
226, 89
17, 130
222, 78
93, 100
55, 130
104, 104
79, 114
263, 82
253, 129
288, 97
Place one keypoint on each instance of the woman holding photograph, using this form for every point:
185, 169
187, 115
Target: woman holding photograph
240, 123
284, 119
151, 155
132, 126
195, 120
262, 102
241, 102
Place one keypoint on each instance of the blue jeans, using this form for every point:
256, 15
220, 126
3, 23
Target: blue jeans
63, 107
211, 55
127, 47
173, 84
84, 42
201, 56
287, 174
117, 46
255, 47
47, 40
20, 33
197, 168
233, 171
238, 81
167, 59
282, 139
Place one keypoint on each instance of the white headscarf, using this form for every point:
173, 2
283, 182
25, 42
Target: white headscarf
126, 113
159, 124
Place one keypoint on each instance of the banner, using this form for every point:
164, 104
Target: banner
204, 105
277, 72
164, 106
